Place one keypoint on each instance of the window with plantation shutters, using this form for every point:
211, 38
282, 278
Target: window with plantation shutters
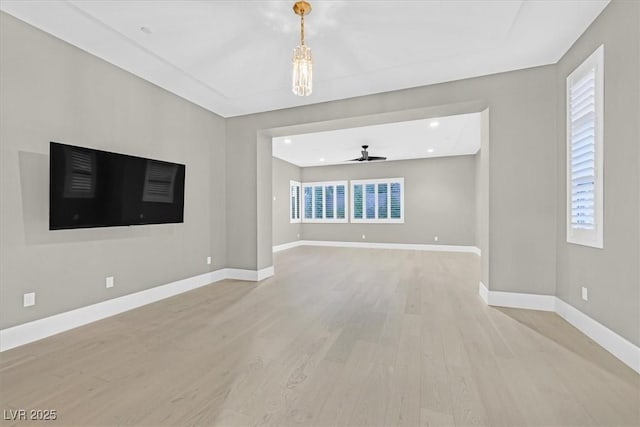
294, 201
585, 109
377, 200
324, 201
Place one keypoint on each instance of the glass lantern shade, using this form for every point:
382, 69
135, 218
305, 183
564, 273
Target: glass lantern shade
302, 71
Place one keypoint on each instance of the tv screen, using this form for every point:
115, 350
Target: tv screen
94, 188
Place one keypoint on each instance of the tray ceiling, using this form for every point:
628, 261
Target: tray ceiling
234, 57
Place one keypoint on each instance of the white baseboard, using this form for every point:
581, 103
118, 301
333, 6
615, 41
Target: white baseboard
372, 245
38, 329
265, 273
249, 275
484, 293
620, 347
286, 246
518, 300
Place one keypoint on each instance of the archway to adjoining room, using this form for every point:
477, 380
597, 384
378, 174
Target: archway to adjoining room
455, 180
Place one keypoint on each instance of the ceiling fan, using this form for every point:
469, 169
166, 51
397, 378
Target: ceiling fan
366, 157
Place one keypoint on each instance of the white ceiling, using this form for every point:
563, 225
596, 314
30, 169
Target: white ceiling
233, 57
436, 137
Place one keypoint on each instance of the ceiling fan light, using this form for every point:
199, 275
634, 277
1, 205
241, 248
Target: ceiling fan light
302, 84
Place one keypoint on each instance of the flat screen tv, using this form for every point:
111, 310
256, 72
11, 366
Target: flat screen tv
94, 188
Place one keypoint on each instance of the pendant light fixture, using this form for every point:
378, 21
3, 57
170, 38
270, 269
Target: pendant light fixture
302, 63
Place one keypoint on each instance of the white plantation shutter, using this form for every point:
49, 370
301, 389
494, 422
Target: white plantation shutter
370, 201
383, 200
356, 207
318, 211
294, 201
329, 201
396, 200
324, 201
308, 202
378, 200
341, 201
584, 152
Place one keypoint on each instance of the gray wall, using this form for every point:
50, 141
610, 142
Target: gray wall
523, 180
483, 193
52, 91
611, 274
284, 231
439, 199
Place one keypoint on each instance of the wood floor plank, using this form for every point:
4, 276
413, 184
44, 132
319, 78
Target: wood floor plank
381, 337
339, 407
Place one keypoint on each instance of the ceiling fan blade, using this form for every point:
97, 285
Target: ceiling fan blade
366, 157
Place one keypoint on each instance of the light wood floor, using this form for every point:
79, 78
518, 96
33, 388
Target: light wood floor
338, 337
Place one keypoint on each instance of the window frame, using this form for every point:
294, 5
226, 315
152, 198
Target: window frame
324, 219
377, 220
595, 237
298, 204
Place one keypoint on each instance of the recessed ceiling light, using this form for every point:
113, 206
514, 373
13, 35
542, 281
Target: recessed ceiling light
434, 124
322, 159
430, 150
287, 141
146, 30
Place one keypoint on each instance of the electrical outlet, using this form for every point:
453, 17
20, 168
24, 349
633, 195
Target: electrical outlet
364, 236
109, 282
29, 299
209, 260
585, 294
435, 238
